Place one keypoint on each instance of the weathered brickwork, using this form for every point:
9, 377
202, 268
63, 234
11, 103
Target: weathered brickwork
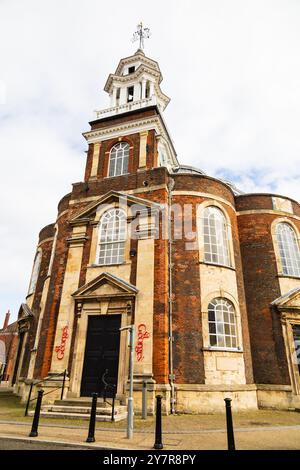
188, 356
262, 287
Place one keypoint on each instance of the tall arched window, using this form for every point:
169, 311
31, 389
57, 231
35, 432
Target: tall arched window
52, 251
118, 160
288, 249
222, 324
112, 237
35, 272
215, 236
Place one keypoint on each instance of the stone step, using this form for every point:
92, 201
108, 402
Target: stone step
84, 401
83, 416
83, 409
7, 391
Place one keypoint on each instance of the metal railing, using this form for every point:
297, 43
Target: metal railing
107, 387
49, 379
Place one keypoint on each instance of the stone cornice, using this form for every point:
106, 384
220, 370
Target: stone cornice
130, 191
287, 215
131, 77
49, 239
129, 127
136, 57
80, 240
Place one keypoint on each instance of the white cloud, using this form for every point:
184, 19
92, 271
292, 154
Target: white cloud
231, 68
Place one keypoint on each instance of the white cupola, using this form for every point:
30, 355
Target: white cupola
134, 85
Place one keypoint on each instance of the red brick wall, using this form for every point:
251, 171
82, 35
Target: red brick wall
44, 353
124, 118
10, 337
187, 322
261, 288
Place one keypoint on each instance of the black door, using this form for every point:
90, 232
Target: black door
101, 354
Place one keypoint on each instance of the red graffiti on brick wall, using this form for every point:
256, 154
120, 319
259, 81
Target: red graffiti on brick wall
60, 350
142, 335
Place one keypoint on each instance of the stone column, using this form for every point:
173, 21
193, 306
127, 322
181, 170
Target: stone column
151, 89
96, 153
61, 351
143, 89
144, 304
143, 149
113, 97
38, 330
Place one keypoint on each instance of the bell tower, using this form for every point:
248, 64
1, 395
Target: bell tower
134, 117
135, 85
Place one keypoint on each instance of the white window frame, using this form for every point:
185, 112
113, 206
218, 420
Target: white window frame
118, 159
112, 237
215, 237
288, 248
222, 324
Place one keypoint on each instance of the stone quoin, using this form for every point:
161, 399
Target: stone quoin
209, 276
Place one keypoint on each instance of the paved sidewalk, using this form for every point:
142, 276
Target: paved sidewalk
280, 437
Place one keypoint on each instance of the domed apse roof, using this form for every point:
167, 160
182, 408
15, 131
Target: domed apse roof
186, 169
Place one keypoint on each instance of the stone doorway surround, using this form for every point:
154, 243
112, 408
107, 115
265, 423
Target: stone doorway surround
104, 295
288, 306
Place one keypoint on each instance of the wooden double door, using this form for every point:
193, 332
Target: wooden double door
101, 359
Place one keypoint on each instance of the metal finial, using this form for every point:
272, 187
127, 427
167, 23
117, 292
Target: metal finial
141, 34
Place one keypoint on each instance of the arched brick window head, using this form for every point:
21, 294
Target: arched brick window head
222, 324
288, 249
215, 237
118, 159
112, 237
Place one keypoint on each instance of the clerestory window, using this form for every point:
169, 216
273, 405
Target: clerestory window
288, 249
215, 237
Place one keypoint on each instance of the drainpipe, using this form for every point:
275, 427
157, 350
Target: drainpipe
171, 184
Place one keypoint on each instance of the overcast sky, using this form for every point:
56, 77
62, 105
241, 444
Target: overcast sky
230, 67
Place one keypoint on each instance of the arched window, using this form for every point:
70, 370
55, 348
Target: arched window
288, 249
112, 237
118, 160
215, 237
52, 251
35, 272
222, 324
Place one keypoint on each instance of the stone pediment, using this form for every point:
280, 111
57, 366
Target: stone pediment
112, 197
25, 315
105, 286
24, 312
288, 301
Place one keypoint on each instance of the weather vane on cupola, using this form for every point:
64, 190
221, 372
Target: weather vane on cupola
141, 34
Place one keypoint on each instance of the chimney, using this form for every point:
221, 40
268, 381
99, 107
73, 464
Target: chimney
5, 324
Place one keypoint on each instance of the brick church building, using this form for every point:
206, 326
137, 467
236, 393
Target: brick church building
209, 276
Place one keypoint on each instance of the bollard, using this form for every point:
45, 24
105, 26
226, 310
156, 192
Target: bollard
28, 399
158, 435
91, 436
113, 405
230, 435
144, 400
35, 422
63, 385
